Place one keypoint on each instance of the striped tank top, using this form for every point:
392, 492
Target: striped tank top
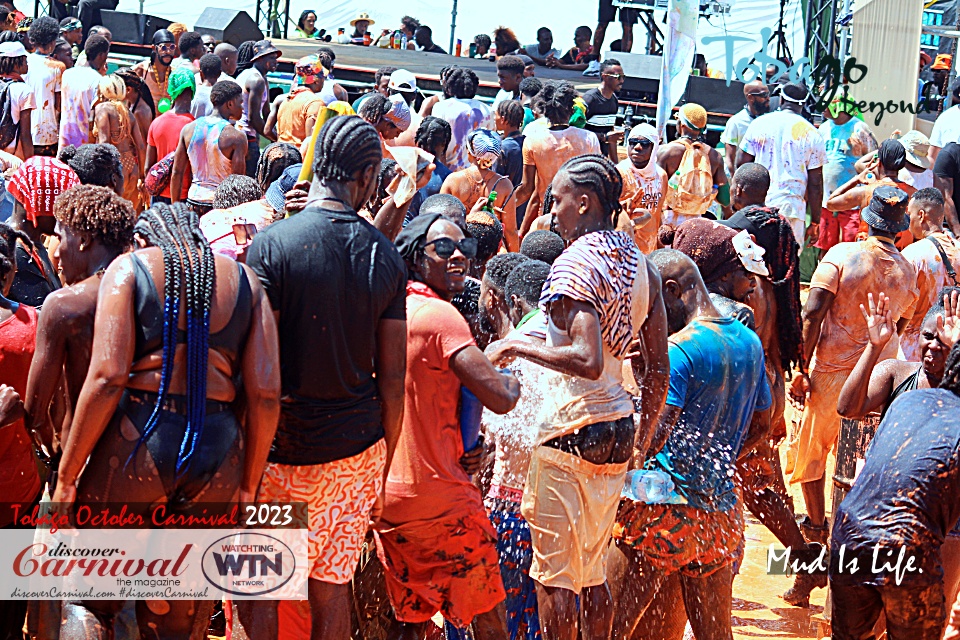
210, 166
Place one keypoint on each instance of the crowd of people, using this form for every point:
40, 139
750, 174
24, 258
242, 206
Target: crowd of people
521, 378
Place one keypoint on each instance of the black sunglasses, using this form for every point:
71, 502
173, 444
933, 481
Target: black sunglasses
643, 142
446, 246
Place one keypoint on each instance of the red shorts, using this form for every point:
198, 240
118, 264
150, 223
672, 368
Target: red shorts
837, 226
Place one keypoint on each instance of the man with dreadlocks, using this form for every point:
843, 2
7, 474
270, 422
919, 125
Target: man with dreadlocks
601, 295
213, 324
902, 504
834, 337
340, 422
94, 225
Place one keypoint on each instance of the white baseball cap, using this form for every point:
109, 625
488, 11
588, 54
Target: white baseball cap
12, 50
403, 81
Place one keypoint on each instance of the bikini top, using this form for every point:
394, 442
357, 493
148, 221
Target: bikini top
149, 330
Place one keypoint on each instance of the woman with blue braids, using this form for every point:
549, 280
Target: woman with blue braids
176, 326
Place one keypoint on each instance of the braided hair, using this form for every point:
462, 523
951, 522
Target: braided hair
10, 235
7, 259
598, 174
433, 133
784, 266
345, 146
274, 160
132, 80
188, 264
555, 101
244, 56
374, 108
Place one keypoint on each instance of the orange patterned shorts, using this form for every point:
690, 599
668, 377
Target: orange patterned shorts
339, 496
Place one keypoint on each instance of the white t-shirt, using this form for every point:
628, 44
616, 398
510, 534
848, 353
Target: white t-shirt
77, 97
947, 128
464, 116
21, 99
502, 96
201, 105
535, 48
736, 127
43, 77
788, 146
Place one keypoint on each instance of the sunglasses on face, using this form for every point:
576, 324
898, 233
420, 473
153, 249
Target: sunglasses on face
765, 94
166, 46
446, 246
615, 76
643, 143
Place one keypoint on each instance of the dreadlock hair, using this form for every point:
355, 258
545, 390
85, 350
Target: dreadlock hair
274, 160
96, 164
784, 267
188, 264
133, 81
512, 112
547, 207
244, 56
433, 133
374, 108
9, 36
461, 82
236, 190
99, 211
344, 147
11, 65
555, 101
597, 174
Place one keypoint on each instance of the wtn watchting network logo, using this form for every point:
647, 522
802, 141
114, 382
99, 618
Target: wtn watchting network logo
249, 564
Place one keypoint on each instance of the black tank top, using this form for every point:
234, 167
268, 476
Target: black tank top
149, 308
909, 384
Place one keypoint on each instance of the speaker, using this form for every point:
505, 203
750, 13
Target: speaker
126, 27
228, 25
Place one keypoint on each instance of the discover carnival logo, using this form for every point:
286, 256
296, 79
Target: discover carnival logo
249, 564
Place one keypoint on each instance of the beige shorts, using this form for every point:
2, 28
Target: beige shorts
339, 496
819, 427
571, 506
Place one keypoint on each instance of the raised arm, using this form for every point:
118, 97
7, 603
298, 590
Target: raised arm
261, 388
110, 363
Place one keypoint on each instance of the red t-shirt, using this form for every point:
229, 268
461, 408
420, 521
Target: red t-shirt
426, 480
164, 134
19, 480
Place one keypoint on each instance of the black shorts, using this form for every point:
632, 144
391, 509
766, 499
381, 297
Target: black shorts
608, 12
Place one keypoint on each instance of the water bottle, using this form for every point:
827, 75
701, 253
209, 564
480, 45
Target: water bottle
649, 486
628, 116
403, 42
471, 411
459, 49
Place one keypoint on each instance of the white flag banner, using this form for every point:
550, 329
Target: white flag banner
679, 44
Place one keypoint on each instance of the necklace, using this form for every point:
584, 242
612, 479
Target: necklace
156, 75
